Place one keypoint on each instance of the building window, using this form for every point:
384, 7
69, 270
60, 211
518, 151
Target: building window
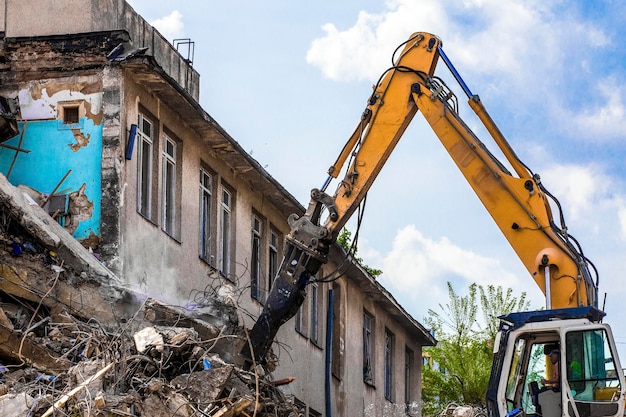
368, 374
314, 316
408, 365
171, 185
314, 413
70, 115
226, 232
273, 257
388, 365
298, 320
301, 317
145, 166
206, 216
337, 333
255, 267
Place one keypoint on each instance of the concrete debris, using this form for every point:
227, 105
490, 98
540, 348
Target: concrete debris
71, 346
148, 337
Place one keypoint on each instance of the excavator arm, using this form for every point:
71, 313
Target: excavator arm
517, 203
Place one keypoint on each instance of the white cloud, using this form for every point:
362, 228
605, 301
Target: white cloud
498, 44
364, 50
607, 119
594, 205
417, 269
170, 26
504, 46
580, 189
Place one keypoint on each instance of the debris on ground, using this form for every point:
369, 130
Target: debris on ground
79, 367
70, 347
156, 371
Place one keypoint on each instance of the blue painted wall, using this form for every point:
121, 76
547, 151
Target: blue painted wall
51, 155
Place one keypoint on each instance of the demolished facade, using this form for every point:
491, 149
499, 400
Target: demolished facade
169, 211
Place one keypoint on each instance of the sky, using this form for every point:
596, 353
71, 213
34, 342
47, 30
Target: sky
289, 79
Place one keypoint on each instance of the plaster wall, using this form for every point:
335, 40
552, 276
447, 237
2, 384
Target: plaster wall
169, 268
354, 396
64, 158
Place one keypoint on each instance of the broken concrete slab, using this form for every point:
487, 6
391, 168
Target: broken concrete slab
37, 222
204, 386
15, 404
23, 349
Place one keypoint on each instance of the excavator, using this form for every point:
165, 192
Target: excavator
590, 380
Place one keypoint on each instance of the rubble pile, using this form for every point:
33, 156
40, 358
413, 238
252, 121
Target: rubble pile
159, 371
79, 367
70, 345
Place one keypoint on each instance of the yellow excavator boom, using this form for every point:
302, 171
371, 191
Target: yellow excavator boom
518, 203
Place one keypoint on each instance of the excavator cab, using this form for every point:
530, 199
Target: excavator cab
590, 383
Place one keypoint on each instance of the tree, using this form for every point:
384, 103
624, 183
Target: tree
461, 361
459, 315
345, 240
494, 303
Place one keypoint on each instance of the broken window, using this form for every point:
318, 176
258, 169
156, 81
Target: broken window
206, 216
255, 267
170, 184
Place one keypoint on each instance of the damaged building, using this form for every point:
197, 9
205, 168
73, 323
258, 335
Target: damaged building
143, 212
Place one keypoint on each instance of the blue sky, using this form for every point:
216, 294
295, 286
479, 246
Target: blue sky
288, 80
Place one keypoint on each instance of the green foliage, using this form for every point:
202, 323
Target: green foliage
345, 240
459, 315
495, 303
460, 374
461, 361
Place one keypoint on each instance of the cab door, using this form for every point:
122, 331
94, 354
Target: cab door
594, 380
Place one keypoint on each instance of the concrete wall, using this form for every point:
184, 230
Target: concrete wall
175, 269
59, 17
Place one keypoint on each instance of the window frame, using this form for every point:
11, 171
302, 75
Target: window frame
368, 348
337, 358
388, 364
171, 185
302, 318
70, 114
207, 216
146, 164
226, 232
314, 314
256, 257
273, 259
409, 358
